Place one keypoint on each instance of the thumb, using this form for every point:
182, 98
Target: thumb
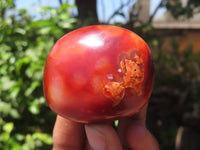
102, 137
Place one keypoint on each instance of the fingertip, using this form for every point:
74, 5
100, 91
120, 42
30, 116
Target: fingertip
102, 136
96, 137
68, 135
139, 138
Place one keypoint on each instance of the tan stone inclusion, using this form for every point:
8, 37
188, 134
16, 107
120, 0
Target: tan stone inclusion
133, 76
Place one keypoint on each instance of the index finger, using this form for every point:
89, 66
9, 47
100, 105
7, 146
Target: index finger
68, 135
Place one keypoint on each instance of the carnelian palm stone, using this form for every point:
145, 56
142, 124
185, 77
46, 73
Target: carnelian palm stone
98, 73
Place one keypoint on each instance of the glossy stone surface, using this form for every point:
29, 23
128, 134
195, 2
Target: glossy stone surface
98, 73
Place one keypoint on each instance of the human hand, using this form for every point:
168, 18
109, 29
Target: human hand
130, 134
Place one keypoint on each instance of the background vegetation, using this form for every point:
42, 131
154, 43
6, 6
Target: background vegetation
26, 122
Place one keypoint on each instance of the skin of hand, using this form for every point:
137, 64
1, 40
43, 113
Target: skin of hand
131, 134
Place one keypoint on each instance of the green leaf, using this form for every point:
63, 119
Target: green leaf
14, 113
15, 145
29, 143
65, 6
64, 17
40, 24
34, 108
155, 42
6, 83
14, 91
116, 123
6, 56
21, 62
46, 138
20, 31
5, 136
8, 127
33, 86
19, 137
5, 108
44, 30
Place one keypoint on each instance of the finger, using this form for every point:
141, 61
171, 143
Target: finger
139, 138
140, 116
68, 135
125, 123
133, 134
102, 136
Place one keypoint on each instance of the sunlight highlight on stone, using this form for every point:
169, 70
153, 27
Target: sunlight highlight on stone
92, 41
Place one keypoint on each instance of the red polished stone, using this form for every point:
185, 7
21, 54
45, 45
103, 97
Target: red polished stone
98, 73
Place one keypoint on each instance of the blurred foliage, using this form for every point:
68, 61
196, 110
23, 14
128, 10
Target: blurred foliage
175, 99
25, 119
178, 70
178, 9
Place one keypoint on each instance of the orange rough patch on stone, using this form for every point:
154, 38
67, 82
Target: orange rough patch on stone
133, 72
114, 91
133, 76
